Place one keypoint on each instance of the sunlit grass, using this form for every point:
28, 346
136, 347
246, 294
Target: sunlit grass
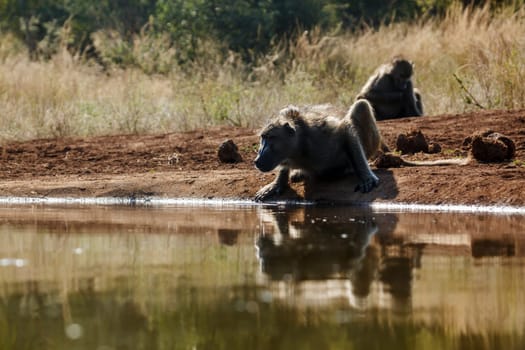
468, 60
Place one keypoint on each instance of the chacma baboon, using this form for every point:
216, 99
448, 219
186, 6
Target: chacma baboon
319, 145
390, 91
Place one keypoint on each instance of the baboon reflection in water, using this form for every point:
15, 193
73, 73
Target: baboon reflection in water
328, 244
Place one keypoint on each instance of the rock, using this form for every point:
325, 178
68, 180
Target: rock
229, 153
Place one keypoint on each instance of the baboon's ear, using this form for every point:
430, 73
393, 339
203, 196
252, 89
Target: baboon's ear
412, 64
290, 111
289, 129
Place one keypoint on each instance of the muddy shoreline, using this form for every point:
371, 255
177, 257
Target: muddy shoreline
143, 166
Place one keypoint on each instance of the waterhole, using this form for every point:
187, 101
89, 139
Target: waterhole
252, 277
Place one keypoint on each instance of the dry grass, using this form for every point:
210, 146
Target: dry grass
470, 59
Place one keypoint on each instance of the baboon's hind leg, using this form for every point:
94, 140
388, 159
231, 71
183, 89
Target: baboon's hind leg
362, 142
361, 117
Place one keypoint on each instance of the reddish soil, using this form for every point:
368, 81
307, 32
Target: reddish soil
186, 165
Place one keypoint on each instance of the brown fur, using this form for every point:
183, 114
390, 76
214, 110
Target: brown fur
316, 143
390, 91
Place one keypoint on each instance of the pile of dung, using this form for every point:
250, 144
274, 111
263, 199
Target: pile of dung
415, 142
229, 153
388, 160
489, 146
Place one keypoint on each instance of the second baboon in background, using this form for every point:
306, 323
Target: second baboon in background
391, 93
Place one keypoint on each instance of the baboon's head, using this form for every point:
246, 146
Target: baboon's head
401, 71
278, 141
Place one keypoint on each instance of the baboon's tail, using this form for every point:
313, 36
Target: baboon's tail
437, 162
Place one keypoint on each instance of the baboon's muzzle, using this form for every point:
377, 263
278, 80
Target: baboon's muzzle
263, 165
265, 160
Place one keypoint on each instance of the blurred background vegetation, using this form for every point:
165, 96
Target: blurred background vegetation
72, 67
247, 27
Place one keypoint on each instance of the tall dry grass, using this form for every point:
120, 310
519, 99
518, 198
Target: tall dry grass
470, 59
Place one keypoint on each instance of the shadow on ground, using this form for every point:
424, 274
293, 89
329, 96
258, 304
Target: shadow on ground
342, 191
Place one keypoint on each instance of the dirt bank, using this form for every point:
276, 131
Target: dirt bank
186, 165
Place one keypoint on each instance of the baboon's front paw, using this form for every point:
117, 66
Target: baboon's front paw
367, 184
268, 191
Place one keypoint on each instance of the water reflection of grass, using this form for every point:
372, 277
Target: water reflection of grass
52, 257
163, 286
219, 318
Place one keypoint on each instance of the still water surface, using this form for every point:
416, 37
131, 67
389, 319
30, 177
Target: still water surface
259, 278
